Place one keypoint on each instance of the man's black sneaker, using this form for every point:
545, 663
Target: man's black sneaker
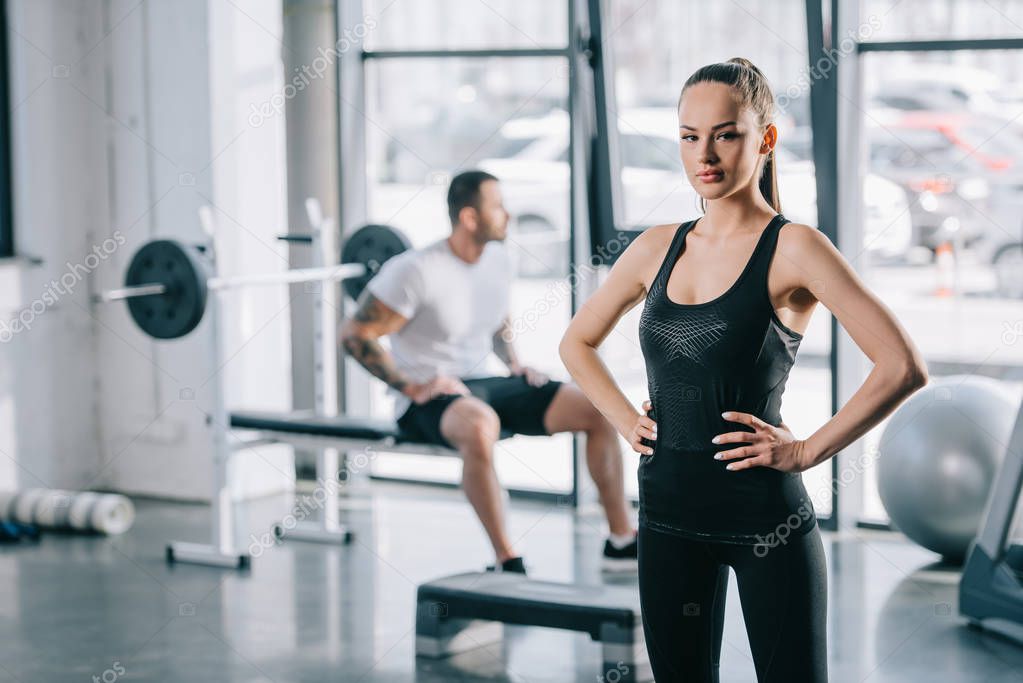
620, 559
513, 564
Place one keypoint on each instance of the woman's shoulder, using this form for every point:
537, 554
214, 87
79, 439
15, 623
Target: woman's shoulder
651, 244
807, 239
642, 258
656, 238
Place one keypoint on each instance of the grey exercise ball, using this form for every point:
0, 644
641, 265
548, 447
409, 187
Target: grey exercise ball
939, 454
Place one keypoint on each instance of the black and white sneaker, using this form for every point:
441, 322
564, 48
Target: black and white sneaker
623, 559
513, 565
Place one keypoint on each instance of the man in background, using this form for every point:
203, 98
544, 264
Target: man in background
445, 309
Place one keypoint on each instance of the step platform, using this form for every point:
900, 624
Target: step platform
458, 613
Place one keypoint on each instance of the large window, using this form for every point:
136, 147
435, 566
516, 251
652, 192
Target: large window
941, 136
457, 24
432, 114
939, 124
939, 19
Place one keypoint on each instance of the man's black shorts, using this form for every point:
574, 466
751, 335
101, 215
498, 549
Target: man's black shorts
518, 404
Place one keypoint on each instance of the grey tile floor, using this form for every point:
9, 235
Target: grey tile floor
109, 609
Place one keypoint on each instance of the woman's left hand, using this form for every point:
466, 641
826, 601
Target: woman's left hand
769, 446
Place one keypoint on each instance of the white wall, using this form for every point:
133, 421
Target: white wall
48, 423
132, 116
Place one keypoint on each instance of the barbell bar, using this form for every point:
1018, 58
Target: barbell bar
131, 292
167, 282
217, 283
326, 274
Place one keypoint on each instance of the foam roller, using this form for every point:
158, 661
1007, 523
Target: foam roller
87, 511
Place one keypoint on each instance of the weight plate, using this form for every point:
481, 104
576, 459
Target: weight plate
371, 245
179, 309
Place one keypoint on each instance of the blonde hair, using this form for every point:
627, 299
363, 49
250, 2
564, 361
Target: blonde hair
753, 91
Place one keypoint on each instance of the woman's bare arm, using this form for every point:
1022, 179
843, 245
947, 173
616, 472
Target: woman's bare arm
623, 288
812, 262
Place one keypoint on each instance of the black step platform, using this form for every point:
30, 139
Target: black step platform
466, 611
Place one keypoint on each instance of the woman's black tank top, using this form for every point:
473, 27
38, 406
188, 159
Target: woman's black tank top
730, 353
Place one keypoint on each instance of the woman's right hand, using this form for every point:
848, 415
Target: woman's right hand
644, 428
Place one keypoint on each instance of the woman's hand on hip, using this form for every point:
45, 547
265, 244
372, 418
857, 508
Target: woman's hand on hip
769, 446
642, 428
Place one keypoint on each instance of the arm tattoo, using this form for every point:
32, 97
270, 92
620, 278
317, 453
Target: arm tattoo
503, 347
369, 353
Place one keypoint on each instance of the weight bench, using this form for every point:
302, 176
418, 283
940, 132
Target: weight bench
170, 287
338, 431
466, 611
328, 436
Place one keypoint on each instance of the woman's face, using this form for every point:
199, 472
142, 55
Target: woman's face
717, 134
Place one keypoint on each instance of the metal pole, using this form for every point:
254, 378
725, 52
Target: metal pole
131, 292
326, 370
329, 530
223, 526
354, 387
310, 55
327, 274
221, 551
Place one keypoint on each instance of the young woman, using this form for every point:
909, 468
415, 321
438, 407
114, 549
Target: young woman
726, 299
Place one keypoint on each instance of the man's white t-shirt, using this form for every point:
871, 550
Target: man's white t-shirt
453, 310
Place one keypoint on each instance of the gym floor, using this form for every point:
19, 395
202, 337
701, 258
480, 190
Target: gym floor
80, 608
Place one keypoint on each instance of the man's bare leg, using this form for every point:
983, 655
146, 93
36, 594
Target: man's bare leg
571, 411
473, 427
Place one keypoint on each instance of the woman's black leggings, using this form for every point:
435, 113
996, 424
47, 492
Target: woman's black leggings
783, 591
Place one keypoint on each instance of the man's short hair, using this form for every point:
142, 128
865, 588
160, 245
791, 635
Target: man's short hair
465, 191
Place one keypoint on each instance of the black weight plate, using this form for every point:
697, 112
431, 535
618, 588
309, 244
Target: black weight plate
371, 245
176, 312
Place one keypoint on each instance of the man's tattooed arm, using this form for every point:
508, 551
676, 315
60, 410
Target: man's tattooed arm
360, 338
